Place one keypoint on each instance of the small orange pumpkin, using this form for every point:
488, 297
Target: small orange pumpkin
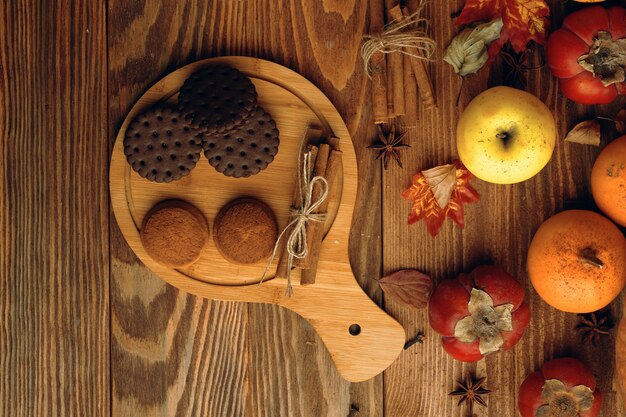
608, 180
577, 261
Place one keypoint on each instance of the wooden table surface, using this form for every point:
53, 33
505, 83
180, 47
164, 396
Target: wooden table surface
87, 330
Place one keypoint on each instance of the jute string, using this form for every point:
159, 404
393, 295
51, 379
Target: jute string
297, 247
407, 36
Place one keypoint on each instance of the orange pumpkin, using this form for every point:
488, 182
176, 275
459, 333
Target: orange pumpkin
577, 261
608, 180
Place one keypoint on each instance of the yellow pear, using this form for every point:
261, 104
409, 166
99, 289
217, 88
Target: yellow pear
505, 135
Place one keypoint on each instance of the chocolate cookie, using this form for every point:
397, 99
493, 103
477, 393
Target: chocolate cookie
217, 98
245, 231
246, 150
174, 233
161, 146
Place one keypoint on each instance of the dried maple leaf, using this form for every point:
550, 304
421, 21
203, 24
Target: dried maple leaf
408, 286
435, 196
585, 133
523, 21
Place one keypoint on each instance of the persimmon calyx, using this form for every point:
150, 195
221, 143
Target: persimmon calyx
485, 322
606, 59
563, 402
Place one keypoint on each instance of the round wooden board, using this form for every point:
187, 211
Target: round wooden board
335, 301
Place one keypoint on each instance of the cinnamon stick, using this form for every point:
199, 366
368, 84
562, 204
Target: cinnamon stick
396, 70
320, 170
422, 78
378, 64
333, 170
410, 95
333, 141
390, 113
310, 134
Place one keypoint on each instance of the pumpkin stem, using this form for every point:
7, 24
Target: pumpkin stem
588, 256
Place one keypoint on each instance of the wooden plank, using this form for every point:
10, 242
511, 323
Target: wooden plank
172, 353
253, 363
54, 260
498, 230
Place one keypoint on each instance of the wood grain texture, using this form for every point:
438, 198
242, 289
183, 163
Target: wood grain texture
295, 34
498, 230
54, 259
172, 354
620, 362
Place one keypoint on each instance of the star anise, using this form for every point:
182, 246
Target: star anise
470, 393
593, 326
515, 66
389, 146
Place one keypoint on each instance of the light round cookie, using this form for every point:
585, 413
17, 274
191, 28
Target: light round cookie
174, 233
245, 231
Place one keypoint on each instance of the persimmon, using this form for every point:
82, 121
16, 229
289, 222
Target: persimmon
608, 180
562, 387
577, 261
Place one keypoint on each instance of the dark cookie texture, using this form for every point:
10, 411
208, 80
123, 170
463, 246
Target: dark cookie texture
246, 150
217, 98
161, 146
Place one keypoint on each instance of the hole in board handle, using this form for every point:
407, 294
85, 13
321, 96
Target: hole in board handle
354, 329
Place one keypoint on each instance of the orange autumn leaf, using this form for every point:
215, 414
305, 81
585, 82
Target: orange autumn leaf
523, 21
425, 194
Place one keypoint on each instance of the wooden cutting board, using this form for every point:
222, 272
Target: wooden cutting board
361, 338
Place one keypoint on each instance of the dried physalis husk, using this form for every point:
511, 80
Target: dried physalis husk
408, 286
467, 53
585, 133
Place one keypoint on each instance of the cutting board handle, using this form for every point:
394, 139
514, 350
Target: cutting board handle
362, 339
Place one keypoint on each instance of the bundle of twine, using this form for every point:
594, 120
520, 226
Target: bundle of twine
407, 36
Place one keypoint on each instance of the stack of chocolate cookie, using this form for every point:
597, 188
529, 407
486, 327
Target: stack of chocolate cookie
240, 138
218, 113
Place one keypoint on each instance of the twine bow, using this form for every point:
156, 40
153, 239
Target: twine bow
297, 247
406, 35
